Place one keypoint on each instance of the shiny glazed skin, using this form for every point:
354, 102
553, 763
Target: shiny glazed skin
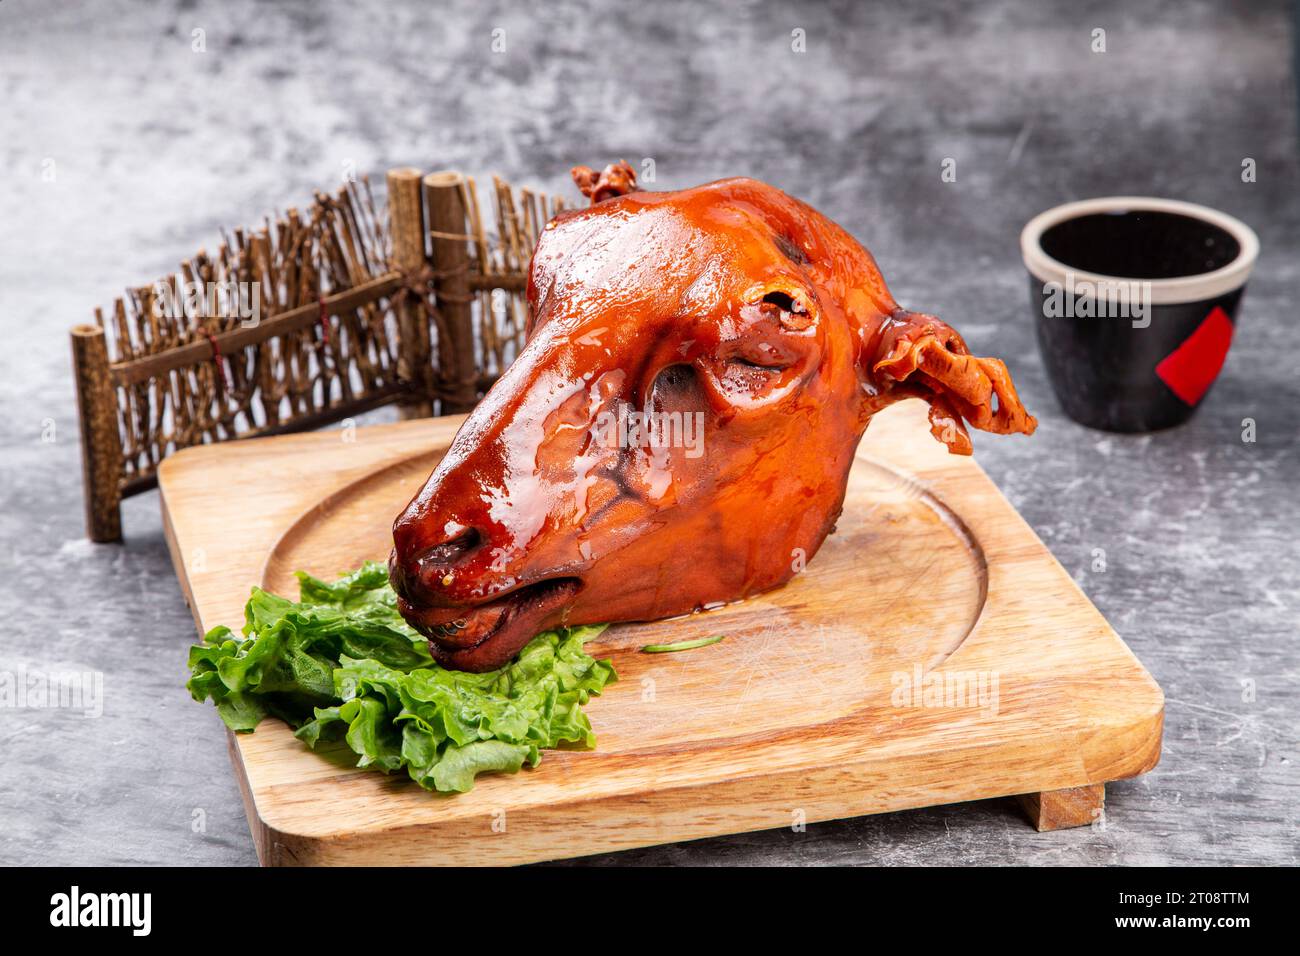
730, 299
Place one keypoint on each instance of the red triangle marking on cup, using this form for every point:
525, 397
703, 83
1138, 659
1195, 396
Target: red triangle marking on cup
1191, 369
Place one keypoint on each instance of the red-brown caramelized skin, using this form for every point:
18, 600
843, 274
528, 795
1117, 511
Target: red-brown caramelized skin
731, 307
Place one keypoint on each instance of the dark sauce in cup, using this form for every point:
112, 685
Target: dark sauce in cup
1140, 244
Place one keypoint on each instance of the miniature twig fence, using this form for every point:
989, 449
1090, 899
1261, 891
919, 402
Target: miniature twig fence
313, 318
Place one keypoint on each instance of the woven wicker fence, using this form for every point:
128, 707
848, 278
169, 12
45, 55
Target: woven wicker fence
317, 316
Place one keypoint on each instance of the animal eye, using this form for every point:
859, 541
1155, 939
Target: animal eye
763, 348
746, 377
757, 365
761, 366
761, 359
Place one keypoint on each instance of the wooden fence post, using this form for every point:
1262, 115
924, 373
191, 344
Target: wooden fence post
406, 221
101, 442
444, 197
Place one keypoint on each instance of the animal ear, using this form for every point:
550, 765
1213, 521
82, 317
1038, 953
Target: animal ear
616, 179
919, 356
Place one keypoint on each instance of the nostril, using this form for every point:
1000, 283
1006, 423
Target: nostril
449, 553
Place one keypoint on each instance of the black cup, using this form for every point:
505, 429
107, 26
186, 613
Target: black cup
1135, 301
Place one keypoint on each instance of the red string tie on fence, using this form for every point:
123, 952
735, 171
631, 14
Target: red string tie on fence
219, 361
324, 319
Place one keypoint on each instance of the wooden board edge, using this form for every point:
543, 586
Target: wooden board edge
1141, 755
177, 558
742, 804
261, 834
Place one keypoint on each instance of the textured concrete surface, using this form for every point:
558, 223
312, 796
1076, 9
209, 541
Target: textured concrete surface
152, 146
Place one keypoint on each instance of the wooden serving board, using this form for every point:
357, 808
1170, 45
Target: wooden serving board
933, 652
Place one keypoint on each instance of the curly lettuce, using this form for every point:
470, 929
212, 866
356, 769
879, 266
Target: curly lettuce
341, 664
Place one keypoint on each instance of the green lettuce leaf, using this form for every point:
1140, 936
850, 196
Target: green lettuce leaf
341, 664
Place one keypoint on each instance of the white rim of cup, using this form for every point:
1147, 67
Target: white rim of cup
1194, 288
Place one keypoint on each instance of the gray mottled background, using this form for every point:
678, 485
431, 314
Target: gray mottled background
154, 146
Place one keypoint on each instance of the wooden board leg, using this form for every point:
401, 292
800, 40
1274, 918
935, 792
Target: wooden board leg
1061, 809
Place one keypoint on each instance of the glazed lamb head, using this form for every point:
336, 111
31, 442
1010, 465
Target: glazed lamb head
678, 429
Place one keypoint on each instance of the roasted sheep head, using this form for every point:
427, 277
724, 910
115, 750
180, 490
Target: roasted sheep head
678, 429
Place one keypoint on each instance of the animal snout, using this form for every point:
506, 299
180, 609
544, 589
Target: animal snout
422, 572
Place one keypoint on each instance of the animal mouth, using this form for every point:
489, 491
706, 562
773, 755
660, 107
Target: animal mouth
486, 636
